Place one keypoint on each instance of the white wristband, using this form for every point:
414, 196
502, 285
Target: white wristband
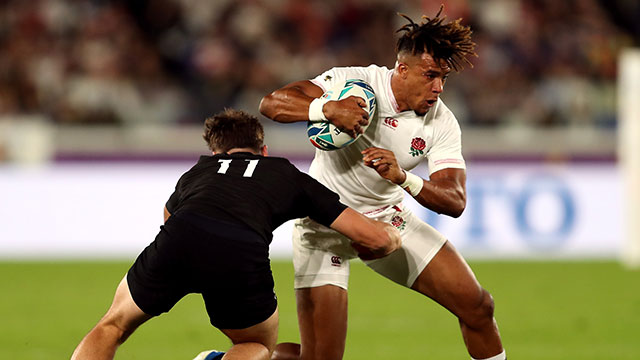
412, 183
315, 109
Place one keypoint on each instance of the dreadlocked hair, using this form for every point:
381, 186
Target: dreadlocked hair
450, 41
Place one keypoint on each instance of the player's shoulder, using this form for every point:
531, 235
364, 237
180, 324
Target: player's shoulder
283, 164
375, 69
278, 160
367, 73
442, 120
442, 114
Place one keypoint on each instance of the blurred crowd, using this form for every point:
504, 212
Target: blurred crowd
541, 62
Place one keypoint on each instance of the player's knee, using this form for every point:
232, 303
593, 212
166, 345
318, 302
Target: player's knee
107, 330
286, 351
114, 329
488, 305
480, 312
258, 351
248, 350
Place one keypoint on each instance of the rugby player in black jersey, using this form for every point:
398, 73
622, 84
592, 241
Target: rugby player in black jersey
215, 241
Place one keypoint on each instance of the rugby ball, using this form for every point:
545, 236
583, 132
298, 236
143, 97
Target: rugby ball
326, 136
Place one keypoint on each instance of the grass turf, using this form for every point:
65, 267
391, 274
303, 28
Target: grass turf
553, 310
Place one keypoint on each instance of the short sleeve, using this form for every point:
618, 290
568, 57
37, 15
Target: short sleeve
326, 80
446, 151
173, 202
329, 78
321, 204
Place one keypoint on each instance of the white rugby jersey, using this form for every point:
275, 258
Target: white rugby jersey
412, 138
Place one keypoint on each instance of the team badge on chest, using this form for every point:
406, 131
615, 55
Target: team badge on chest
417, 146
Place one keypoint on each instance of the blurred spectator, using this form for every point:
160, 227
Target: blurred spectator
83, 63
541, 62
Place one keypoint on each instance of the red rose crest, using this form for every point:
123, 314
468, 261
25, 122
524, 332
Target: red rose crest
417, 146
398, 222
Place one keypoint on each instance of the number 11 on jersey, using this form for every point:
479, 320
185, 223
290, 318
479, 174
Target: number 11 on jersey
251, 166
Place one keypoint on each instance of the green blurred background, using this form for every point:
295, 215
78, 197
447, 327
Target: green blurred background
546, 310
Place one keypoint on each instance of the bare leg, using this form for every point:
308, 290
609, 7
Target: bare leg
322, 318
286, 351
450, 282
322, 311
247, 351
120, 321
253, 343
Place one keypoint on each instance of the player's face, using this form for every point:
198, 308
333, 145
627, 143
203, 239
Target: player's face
423, 82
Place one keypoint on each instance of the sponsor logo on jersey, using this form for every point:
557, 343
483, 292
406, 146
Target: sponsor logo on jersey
336, 261
327, 78
390, 122
398, 222
417, 146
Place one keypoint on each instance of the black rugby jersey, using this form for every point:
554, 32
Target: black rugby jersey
257, 191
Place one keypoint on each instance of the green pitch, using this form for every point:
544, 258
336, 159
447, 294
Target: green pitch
557, 310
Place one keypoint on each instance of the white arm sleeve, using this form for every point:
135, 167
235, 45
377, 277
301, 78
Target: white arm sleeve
329, 78
446, 151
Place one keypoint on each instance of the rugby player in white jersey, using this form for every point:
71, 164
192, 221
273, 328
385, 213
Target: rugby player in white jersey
412, 124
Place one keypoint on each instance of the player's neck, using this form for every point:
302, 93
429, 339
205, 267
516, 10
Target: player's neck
263, 151
397, 93
237, 150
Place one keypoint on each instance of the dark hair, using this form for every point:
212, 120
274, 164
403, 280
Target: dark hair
450, 42
233, 129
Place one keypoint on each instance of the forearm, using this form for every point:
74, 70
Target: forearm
289, 104
369, 236
442, 196
443, 193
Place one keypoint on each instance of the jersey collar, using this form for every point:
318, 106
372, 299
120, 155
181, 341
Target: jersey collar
392, 98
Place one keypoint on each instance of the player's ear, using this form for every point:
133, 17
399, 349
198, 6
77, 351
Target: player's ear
264, 151
402, 68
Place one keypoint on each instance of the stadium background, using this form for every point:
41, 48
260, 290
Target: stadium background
101, 105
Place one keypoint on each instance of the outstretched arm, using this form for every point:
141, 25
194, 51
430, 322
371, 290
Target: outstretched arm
291, 103
444, 192
372, 238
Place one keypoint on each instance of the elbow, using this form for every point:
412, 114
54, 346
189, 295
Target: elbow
457, 212
456, 208
460, 202
268, 109
264, 107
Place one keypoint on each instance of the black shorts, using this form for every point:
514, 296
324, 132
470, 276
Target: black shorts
227, 263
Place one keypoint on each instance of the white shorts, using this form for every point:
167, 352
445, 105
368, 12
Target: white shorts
321, 255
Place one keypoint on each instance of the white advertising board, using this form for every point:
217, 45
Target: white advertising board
537, 211
514, 211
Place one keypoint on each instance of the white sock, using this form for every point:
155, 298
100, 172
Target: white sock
501, 356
